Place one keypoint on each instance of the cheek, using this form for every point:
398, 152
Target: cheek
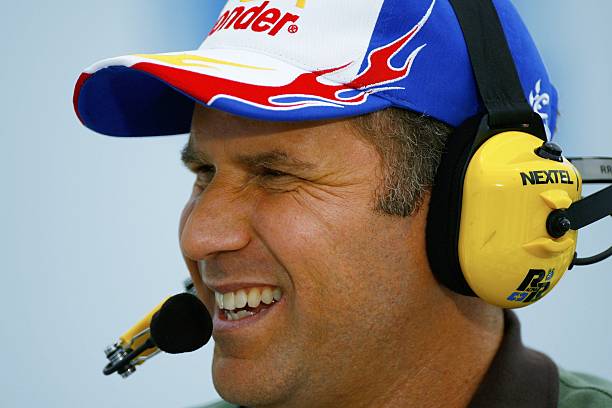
297, 231
323, 246
343, 260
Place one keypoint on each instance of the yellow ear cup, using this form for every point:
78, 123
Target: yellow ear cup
505, 252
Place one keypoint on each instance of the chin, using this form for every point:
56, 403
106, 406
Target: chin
251, 383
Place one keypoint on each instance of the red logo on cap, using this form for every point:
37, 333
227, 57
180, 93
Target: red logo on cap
259, 19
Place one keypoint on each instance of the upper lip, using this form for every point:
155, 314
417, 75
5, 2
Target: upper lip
221, 280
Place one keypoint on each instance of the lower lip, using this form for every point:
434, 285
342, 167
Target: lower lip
223, 325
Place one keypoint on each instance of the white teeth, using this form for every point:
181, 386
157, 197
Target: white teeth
277, 294
240, 299
243, 313
219, 300
228, 301
231, 316
254, 297
266, 296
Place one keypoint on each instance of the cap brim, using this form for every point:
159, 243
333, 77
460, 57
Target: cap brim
146, 95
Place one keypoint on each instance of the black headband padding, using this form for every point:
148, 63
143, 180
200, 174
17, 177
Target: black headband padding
444, 216
496, 76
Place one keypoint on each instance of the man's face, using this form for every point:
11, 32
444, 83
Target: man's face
289, 207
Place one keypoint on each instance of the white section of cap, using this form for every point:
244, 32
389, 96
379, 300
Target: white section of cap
328, 34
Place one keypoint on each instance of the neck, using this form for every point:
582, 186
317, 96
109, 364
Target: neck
435, 357
453, 358
441, 367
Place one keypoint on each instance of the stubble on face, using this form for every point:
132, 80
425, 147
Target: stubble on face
354, 281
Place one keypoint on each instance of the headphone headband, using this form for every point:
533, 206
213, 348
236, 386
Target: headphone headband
494, 69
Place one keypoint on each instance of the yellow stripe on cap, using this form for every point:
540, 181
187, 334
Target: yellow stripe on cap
191, 60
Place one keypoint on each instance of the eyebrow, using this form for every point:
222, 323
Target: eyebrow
274, 158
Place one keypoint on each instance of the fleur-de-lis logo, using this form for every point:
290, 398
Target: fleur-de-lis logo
539, 101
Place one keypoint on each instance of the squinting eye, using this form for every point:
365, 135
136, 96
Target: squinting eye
265, 172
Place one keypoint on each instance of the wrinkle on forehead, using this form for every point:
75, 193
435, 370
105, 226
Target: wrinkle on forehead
316, 148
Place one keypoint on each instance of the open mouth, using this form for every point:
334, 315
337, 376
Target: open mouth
247, 302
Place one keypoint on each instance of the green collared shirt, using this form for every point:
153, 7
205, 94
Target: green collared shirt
523, 378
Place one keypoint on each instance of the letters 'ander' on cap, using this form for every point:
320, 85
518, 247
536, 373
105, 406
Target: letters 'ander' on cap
294, 60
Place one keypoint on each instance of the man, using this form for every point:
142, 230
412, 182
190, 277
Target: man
305, 232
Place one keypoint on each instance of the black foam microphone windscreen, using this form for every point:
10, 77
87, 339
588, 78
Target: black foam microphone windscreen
181, 325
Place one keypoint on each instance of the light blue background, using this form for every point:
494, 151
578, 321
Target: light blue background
89, 223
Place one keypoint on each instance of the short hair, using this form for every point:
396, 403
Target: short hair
410, 146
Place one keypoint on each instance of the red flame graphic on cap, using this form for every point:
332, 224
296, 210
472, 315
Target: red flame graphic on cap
306, 90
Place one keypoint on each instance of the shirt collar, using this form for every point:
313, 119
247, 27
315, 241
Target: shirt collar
518, 377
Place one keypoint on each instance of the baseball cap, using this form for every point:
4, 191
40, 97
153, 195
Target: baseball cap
297, 60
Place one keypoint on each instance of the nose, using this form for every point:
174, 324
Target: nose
215, 221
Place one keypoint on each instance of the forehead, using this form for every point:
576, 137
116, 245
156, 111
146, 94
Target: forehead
216, 133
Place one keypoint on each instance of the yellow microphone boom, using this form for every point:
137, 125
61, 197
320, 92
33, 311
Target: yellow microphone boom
135, 346
136, 337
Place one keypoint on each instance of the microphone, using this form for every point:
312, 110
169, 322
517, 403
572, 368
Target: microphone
181, 325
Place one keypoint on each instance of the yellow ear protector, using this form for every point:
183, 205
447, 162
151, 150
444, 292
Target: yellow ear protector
506, 205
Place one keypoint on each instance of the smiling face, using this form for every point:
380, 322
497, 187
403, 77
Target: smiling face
285, 212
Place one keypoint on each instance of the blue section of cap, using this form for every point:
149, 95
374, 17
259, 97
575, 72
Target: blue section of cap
120, 101
441, 83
